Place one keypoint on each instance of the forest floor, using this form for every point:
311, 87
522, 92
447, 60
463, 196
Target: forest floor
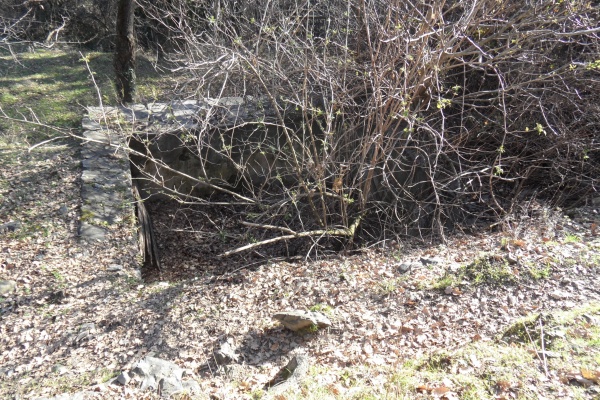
507, 313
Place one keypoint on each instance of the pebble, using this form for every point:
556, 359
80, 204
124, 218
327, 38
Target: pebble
7, 286
123, 378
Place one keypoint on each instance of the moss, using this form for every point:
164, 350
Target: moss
86, 215
489, 269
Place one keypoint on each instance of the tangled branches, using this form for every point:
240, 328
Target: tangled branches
395, 117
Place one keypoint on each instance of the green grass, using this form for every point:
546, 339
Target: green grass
322, 308
54, 86
571, 239
489, 269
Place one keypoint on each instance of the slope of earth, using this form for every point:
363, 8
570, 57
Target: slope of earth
408, 320
513, 313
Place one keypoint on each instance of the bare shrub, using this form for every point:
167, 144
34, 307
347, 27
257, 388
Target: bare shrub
390, 117
65, 21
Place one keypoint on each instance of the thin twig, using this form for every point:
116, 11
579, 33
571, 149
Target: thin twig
46, 141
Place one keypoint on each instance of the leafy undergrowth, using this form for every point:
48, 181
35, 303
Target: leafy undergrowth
512, 313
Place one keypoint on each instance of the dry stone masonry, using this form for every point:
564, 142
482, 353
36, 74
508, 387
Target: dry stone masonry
106, 180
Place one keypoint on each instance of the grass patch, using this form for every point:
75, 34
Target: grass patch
322, 308
490, 269
571, 239
54, 86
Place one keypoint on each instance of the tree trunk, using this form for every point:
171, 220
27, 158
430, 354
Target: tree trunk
124, 61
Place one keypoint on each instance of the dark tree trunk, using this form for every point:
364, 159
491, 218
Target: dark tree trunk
125, 51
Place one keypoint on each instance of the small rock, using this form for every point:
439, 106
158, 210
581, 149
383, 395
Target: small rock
123, 378
296, 320
431, 261
6, 372
85, 331
60, 369
226, 354
559, 295
155, 372
169, 386
57, 297
7, 286
290, 376
114, 268
137, 274
10, 227
192, 387
406, 267
512, 259
63, 210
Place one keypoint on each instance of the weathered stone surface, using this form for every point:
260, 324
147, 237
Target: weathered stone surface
158, 374
407, 267
10, 227
296, 320
91, 232
60, 369
431, 261
226, 354
90, 125
123, 378
169, 386
290, 376
106, 179
191, 386
86, 331
7, 287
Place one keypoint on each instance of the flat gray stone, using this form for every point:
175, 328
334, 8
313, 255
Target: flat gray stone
123, 378
192, 387
91, 232
407, 267
431, 261
12, 226
296, 320
60, 369
7, 287
156, 373
90, 125
170, 386
290, 376
226, 354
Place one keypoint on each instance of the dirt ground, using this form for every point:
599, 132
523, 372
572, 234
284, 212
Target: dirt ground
410, 319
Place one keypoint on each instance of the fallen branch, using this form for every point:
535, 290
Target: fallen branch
347, 232
46, 141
